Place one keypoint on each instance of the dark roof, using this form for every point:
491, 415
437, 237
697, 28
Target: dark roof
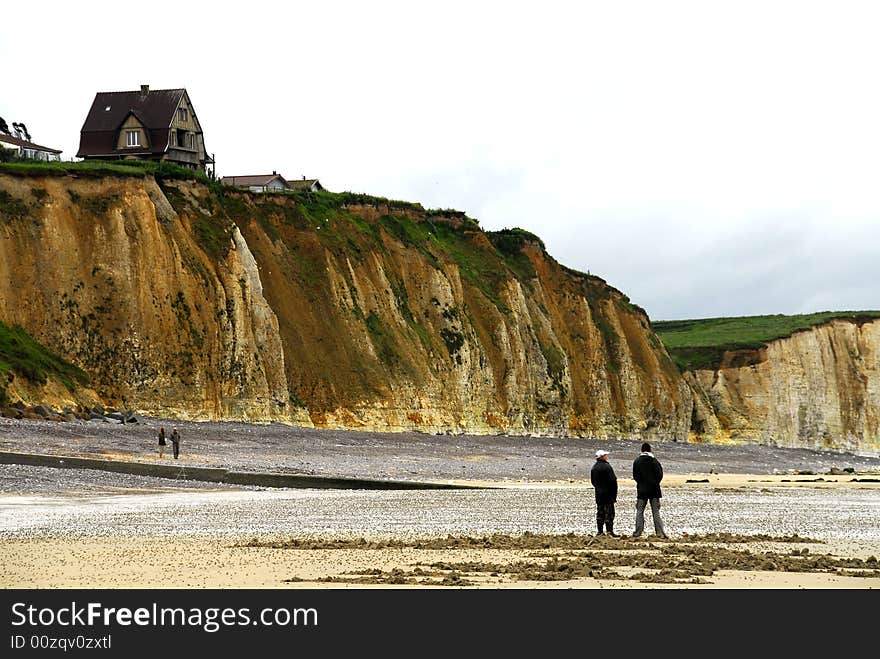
9, 139
256, 179
305, 184
154, 109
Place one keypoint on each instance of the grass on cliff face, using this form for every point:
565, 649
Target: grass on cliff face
701, 343
22, 356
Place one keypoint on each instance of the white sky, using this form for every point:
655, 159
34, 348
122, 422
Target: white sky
707, 158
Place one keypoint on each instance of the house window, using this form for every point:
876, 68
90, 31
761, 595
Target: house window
192, 140
132, 138
172, 138
181, 114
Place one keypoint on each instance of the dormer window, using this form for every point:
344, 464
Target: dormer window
132, 138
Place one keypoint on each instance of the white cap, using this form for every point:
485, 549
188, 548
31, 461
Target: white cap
600, 453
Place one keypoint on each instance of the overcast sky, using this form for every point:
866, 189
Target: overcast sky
706, 158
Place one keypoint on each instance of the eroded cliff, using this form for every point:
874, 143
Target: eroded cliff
198, 301
818, 388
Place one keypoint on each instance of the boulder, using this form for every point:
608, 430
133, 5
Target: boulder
42, 410
11, 413
70, 417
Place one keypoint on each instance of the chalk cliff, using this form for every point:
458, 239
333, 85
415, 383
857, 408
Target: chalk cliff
818, 388
201, 302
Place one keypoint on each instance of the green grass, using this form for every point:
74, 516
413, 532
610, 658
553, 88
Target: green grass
382, 340
12, 208
23, 357
101, 168
701, 343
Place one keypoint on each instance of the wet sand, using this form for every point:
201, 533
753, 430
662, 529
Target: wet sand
63, 528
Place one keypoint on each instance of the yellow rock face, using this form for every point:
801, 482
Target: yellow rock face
819, 388
187, 302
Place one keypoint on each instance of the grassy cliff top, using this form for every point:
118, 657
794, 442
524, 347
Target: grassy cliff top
701, 343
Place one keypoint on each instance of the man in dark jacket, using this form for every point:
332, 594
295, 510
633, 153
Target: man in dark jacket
648, 473
605, 484
175, 442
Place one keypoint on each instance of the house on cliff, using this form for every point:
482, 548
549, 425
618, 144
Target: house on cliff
308, 184
158, 124
273, 182
21, 148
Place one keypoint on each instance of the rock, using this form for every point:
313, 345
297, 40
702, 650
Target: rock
70, 417
94, 416
43, 411
66, 410
19, 405
834, 471
98, 409
849, 470
11, 413
804, 472
116, 416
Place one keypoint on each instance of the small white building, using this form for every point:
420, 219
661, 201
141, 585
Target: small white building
273, 182
25, 149
309, 184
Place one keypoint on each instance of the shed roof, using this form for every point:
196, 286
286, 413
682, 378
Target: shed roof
254, 179
305, 184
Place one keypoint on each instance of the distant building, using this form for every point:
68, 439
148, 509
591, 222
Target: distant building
273, 182
158, 124
25, 149
310, 184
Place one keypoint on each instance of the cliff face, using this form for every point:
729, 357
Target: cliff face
819, 388
339, 312
105, 273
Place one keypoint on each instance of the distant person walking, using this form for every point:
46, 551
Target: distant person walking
162, 443
175, 441
604, 482
648, 472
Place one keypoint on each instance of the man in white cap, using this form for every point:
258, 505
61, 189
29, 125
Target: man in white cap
605, 484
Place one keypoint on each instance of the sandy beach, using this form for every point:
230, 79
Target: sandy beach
738, 517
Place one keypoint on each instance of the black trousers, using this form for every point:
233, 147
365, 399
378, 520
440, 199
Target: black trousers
605, 516
176, 449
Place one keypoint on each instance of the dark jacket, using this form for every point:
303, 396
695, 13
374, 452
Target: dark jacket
647, 473
604, 481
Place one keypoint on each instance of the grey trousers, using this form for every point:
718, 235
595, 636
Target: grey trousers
655, 513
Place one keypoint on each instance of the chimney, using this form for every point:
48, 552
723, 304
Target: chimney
304, 177
274, 173
145, 89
